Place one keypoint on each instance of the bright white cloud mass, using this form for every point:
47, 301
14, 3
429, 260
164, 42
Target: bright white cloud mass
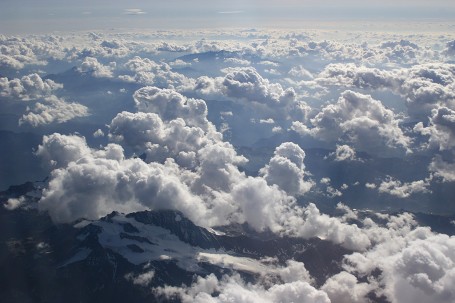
342, 137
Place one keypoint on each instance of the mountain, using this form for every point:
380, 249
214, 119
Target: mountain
123, 257
120, 257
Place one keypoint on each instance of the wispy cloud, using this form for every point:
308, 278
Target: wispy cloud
134, 11
231, 12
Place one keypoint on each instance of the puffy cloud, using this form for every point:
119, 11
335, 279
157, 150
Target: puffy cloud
423, 86
286, 169
188, 145
59, 150
315, 224
234, 289
28, 87
360, 120
357, 76
441, 130
99, 47
149, 72
427, 87
103, 181
90, 183
138, 64
170, 105
112, 182
147, 131
179, 63
402, 51
344, 153
403, 190
246, 86
142, 279
98, 133
214, 162
17, 53
173, 47
49, 109
218, 167
237, 61
91, 66
52, 109
300, 72
441, 134
246, 83
10, 62
330, 190
13, 203
294, 271
416, 265
443, 169
263, 207
391, 53
345, 288
189, 168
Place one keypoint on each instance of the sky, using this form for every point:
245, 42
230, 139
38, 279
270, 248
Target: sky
340, 132
25, 16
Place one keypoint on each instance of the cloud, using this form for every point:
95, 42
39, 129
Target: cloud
359, 120
188, 167
58, 150
403, 190
331, 192
28, 87
416, 265
300, 72
98, 133
450, 50
10, 62
442, 169
441, 129
262, 206
427, 87
234, 289
112, 182
353, 75
315, 224
344, 153
247, 87
237, 61
286, 169
179, 64
134, 11
138, 64
103, 181
90, 183
48, 109
142, 279
246, 83
91, 66
345, 288
13, 203
18, 53
149, 72
158, 139
402, 51
423, 86
52, 109
170, 105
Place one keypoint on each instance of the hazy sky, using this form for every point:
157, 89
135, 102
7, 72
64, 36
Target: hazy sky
22, 16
